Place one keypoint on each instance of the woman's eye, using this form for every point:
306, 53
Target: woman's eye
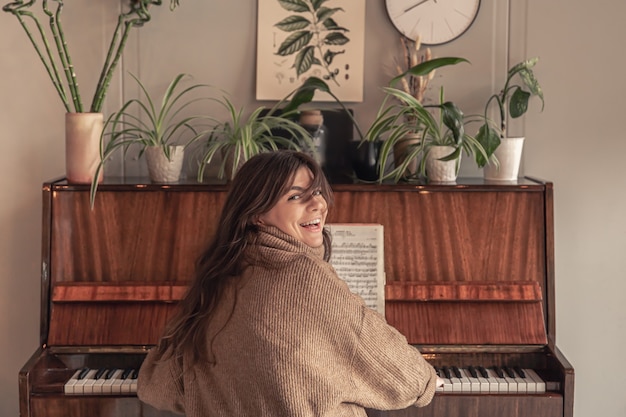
294, 197
316, 192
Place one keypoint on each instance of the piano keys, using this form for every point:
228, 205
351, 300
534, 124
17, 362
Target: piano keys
102, 381
496, 380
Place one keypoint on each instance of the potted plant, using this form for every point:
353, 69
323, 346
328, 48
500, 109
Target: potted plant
242, 136
264, 130
402, 117
444, 138
83, 126
503, 153
158, 131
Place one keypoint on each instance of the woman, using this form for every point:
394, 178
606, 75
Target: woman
268, 328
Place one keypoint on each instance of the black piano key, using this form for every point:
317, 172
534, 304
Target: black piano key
483, 372
101, 371
498, 371
456, 372
110, 374
83, 373
472, 371
134, 374
509, 372
126, 372
438, 371
446, 372
520, 372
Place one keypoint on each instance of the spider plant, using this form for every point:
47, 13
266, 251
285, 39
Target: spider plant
144, 122
264, 130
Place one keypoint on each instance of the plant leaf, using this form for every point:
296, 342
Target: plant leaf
293, 23
294, 5
519, 102
336, 38
489, 140
304, 60
294, 42
323, 13
330, 24
426, 67
452, 118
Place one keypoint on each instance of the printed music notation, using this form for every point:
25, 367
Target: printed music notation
358, 257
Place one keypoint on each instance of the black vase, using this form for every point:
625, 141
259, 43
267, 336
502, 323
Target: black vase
365, 159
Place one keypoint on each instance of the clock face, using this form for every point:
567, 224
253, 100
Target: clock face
435, 21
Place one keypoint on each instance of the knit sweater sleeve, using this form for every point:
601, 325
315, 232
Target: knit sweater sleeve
160, 383
388, 372
384, 371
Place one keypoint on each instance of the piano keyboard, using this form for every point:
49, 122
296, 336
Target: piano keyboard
496, 380
102, 381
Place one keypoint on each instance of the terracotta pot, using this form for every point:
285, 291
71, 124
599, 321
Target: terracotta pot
163, 169
509, 155
82, 146
402, 148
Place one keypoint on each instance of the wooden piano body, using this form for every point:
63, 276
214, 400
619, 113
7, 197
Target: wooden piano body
469, 270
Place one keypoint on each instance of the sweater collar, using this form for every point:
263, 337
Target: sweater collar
274, 238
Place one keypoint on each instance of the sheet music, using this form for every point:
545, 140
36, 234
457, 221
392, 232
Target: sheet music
358, 257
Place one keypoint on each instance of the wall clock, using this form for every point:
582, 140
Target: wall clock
435, 21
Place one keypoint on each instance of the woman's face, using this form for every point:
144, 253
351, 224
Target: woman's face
298, 213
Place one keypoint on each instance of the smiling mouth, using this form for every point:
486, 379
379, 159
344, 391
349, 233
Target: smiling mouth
311, 224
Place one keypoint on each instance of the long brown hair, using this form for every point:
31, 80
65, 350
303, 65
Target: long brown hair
256, 188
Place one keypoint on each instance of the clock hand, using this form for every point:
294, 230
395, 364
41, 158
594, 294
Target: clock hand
417, 4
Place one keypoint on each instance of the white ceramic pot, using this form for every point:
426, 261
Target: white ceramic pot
441, 171
82, 146
161, 168
509, 155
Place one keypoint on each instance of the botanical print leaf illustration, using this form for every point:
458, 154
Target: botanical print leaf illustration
315, 37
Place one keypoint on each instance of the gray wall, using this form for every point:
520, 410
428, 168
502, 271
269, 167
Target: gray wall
580, 69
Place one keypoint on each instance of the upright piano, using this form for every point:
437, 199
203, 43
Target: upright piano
469, 281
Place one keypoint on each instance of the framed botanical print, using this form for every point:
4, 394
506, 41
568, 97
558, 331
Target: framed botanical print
297, 39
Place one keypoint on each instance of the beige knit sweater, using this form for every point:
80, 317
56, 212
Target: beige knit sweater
292, 341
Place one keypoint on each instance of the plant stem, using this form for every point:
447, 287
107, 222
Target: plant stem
64, 56
141, 11
49, 65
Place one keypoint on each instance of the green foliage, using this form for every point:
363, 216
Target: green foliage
446, 130
313, 35
511, 101
136, 15
264, 130
398, 106
147, 122
239, 138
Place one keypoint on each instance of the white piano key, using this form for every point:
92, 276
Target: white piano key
510, 381
540, 385
133, 381
126, 382
100, 380
494, 385
107, 387
116, 386
466, 386
474, 383
79, 387
68, 388
503, 383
